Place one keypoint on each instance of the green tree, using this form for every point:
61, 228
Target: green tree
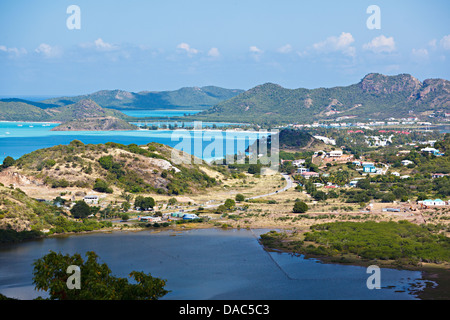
97, 283
102, 186
172, 201
240, 197
80, 210
8, 162
320, 196
300, 207
254, 169
126, 206
144, 203
229, 204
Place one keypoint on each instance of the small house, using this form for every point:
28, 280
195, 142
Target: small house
302, 170
91, 199
336, 153
299, 162
308, 175
190, 216
369, 169
406, 162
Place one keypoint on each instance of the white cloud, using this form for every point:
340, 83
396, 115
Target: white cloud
285, 49
445, 42
420, 54
214, 52
187, 48
13, 51
254, 49
380, 44
102, 45
48, 51
255, 52
337, 44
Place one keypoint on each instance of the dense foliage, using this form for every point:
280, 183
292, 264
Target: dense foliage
96, 280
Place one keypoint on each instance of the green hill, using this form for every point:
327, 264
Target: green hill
189, 97
83, 109
374, 97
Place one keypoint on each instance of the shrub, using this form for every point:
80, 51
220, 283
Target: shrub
300, 207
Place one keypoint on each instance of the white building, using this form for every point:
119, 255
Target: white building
326, 140
336, 153
299, 162
91, 199
406, 162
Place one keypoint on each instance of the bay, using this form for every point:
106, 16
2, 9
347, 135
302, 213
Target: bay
19, 138
208, 264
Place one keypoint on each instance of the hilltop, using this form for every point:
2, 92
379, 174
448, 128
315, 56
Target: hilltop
108, 168
376, 96
83, 109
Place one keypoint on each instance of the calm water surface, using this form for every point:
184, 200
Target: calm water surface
207, 264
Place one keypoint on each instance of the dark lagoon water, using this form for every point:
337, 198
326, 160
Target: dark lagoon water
207, 264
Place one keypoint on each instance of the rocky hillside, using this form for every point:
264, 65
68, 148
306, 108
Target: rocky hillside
376, 96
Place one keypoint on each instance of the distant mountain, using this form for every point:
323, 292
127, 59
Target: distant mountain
376, 96
189, 97
83, 109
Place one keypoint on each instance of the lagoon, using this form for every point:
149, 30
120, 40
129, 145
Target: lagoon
207, 264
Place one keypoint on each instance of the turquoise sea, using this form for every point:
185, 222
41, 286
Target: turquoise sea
19, 138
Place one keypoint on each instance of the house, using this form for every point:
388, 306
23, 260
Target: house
353, 183
395, 173
336, 153
406, 162
149, 219
91, 199
431, 150
302, 170
370, 169
326, 140
356, 163
437, 175
308, 175
299, 162
190, 216
429, 202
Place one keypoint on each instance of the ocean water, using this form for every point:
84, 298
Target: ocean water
19, 138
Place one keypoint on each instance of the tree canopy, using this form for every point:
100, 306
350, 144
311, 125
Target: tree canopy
96, 282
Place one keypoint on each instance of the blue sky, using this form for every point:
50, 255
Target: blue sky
165, 45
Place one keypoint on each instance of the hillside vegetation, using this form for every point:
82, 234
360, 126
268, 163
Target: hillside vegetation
113, 167
83, 109
374, 97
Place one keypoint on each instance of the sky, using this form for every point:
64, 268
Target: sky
156, 45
